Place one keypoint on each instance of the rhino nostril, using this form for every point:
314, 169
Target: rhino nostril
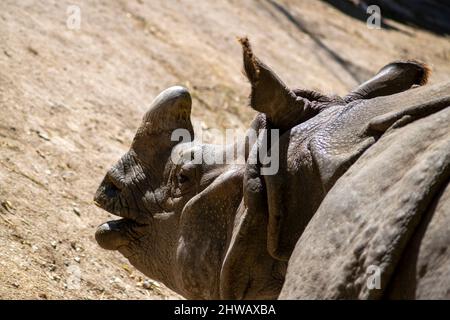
112, 187
111, 190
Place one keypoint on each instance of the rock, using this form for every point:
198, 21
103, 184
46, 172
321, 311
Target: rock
150, 284
75, 246
147, 285
32, 51
55, 278
76, 211
43, 135
42, 296
7, 205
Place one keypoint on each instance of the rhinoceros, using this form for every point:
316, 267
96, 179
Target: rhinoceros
361, 185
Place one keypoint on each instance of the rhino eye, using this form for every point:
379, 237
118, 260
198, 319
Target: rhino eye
185, 176
182, 178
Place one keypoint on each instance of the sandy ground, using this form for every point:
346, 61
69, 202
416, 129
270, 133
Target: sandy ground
71, 100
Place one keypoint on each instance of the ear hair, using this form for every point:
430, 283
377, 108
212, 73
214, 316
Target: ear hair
251, 69
424, 73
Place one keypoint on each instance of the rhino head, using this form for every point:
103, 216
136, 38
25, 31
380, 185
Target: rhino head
176, 216
212, 230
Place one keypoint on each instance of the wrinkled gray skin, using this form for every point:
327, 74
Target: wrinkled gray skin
224, 230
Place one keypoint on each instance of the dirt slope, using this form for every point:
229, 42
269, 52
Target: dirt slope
70, 102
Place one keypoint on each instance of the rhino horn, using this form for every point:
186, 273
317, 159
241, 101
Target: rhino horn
169, 111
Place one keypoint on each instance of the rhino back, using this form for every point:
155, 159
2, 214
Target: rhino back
371, 212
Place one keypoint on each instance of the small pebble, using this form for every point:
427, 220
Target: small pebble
77, 211
7, 205
42, 296
55, 277
43, 135
150, 284
114, 280
77, 259
75, 246
147, 285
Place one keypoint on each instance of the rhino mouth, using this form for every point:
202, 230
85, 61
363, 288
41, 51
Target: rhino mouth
112, 235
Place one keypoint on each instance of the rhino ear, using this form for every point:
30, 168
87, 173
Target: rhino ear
170, 110
395, 77
269, 94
